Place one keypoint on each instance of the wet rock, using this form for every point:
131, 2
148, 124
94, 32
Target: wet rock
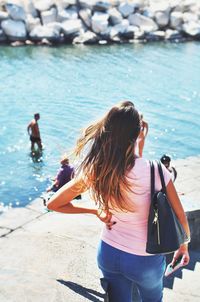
155, 36
87, 37
15, 30
173, 35
15, 12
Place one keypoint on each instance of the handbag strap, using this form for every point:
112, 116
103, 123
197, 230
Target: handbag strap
152, 180
162, 177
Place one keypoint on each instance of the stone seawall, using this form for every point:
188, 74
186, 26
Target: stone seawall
98, 22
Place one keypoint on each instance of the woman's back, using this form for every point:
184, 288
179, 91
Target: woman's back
129, 233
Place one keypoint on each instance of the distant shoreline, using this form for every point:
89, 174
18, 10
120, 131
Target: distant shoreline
97, 22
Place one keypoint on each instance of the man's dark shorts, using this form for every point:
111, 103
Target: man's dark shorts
35, 139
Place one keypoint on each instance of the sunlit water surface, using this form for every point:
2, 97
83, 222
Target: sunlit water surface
72, 86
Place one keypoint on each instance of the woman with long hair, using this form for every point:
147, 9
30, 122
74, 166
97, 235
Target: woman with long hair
119, 182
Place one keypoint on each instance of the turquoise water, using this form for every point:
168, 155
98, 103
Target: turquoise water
71, 86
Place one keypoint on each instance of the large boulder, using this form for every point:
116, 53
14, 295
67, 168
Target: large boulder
49, 16
31, 22
162, 18
85, 15
119, 28
190, 17
192, 28
176, 20
99, 22
16, 12
45, 32
114, 16
144, 23
42, 5
126, 9
71, 27
14, 30
30, 8
67, 14
87, 37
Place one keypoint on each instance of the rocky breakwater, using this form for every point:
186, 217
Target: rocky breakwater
91, 21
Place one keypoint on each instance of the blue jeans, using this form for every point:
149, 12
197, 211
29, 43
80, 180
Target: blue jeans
124, 270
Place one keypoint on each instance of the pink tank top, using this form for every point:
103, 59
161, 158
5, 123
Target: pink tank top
129, 234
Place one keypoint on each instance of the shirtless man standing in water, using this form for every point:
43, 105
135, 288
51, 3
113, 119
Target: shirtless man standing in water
34, 132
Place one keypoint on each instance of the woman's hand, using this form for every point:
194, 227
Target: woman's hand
182, 252
105, 216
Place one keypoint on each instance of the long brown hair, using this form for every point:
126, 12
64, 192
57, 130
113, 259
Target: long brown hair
110, 154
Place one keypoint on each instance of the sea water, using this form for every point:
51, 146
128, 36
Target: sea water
71, 86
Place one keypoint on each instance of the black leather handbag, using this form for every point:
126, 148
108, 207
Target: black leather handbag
165, 233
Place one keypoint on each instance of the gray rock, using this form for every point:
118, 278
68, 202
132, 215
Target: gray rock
16, 12
173, 35
30, 8
32, 22
162, 18
51, 33
71, 27
126, 9
102, 6
158, 35
42, 5
87, 3
3, 16
192, 28
99, 22
87, 37
130, 32
85, 15
146, 24
67, 14
3, 39
190, 17
176, 20
49, 16
15, 30
114, 16
119, 28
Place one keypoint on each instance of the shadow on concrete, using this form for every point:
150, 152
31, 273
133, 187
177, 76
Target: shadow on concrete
88, 293
194, 258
